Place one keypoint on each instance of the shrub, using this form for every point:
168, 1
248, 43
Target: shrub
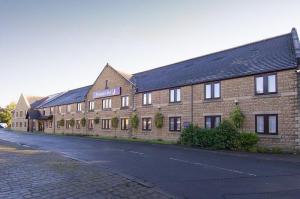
72, 122
83, 122
114, 122
237, 117
97, 120
188, 134
62, 122
159, 120
134, 120
247, 141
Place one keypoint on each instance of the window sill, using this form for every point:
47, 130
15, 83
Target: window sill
264, 135
147, 105
106, 109
175, 103
212, 100
257, 96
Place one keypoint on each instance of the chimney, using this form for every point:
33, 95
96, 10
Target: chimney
296, 44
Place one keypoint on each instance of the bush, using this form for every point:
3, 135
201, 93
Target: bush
97, 120
159, 120
237, 117
226, 136
83, 122
134, 120
62, 122
72, 122
114, 122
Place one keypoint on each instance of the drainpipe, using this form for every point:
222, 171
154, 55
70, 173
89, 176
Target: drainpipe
192, 104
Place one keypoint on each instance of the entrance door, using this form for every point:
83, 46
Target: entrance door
41, 126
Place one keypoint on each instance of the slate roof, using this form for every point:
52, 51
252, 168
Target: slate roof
68, 97
273, 54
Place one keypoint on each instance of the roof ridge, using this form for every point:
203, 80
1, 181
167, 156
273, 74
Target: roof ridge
236, 47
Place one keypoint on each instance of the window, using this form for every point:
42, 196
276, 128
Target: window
174, 95
212, 90
69, 108
21, 113
20, 124
125, 101
91, 105
78, 107
91, 123
147, 99
212, 121
25, 124
124, 123
77, 124
59, 109
106, 104
57, 125
46, 124
266, 123
105, 123
175, 124
16, 124
17, 114
147, 124
50, 124
67, 124
51, 110
266, 84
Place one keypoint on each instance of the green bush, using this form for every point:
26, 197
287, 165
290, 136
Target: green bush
72, 122
114, 122
226, 136
62, 122
83, 122
237, 117
134, 120
159, 120
97, 120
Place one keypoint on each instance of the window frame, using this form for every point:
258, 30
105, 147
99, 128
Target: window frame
77, 122
126, 126
105, 124
79, 107
212, 90
93, 107
175, 95
265, 84
146, 128
109, 103
213, 121
91, 121
266, 124
126, 97
175, 124
147, 98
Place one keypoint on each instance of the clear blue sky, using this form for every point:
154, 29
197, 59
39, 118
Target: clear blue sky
47, 46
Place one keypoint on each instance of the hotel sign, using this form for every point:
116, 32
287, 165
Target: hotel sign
107, 92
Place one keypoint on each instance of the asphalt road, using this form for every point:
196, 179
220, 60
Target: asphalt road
182, 172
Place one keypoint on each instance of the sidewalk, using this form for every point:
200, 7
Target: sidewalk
29, 173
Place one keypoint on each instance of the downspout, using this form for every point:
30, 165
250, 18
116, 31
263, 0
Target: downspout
192, 104
54, 122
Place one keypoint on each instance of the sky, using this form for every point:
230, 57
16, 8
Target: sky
49, 46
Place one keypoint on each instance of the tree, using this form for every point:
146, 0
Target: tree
237, 117
6, 113
159, 120
114, 124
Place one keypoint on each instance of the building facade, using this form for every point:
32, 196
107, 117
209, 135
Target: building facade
262, 78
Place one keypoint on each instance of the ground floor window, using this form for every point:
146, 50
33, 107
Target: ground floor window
57, 125
24, 124
20, 124
146, 124
175, 124
91, 123
50, 124
105, 123
46, 125
124, 123
67, 124
266, 123
212, 121
16, 124
77, 124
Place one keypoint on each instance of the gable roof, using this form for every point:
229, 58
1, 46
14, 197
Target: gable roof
273, 54
68, 97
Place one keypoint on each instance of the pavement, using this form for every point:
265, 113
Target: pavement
177, 171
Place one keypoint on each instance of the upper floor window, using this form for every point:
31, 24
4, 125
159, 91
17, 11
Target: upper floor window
91, 105
147, 99
175, 95
91, 123
266, 84
59, 109
212, 90
147, 124
106, 104
51, 110
69, 108
17, 114
175, 124
266, 123
212, 121
78, 107
21, 113
124, 101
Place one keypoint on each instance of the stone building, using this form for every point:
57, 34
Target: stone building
261, 78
